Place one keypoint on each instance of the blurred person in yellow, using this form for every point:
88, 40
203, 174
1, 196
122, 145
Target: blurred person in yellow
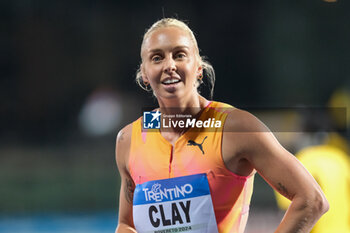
329, 164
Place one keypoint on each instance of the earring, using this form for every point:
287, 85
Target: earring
200, 77
146, 86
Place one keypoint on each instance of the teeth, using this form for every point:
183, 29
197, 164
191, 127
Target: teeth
170, 81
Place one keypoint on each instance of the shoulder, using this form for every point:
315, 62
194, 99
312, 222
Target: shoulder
247, 136
242, 138
241, 121
238, 120
123, 142
124, 135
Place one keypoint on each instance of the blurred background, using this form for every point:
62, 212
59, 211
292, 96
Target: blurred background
67, 87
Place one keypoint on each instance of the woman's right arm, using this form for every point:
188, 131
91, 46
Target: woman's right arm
125, 221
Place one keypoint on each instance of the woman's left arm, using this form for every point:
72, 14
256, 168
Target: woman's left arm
257, 145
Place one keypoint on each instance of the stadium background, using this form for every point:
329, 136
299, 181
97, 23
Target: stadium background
67, 87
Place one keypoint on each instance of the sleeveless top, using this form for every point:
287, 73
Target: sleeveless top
152, 157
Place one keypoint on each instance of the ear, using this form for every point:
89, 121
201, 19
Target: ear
199, 70
143, 73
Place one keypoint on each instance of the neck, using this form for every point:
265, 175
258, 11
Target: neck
174, 109
190, 106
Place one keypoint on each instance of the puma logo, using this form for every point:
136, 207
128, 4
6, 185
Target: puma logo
193, 143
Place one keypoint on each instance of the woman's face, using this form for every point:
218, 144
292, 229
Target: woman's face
169, 63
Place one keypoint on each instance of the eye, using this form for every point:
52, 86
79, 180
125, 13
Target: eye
180, 55
156, 58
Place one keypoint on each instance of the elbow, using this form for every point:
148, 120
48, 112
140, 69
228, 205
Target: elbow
323, 205
320, 204
124, 228
314, 205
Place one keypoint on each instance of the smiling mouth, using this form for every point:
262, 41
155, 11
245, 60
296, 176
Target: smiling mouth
171, 81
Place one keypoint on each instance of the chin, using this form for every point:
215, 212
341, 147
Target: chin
170, 95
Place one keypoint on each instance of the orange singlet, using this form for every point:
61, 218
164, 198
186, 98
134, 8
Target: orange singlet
152, 157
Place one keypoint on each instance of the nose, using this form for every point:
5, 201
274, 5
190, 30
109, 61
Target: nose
169, 65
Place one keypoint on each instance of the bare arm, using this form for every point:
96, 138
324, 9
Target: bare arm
125, 221
256, 148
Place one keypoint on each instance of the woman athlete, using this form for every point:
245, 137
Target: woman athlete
195, 178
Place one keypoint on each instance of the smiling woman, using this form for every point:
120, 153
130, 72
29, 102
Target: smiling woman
186, 42
218, 163
168, 56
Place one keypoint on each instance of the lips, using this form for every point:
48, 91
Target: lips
171, 80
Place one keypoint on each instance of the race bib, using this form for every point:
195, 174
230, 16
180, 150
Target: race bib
181, 204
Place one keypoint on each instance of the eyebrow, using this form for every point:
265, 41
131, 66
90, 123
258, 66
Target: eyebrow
175, 48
